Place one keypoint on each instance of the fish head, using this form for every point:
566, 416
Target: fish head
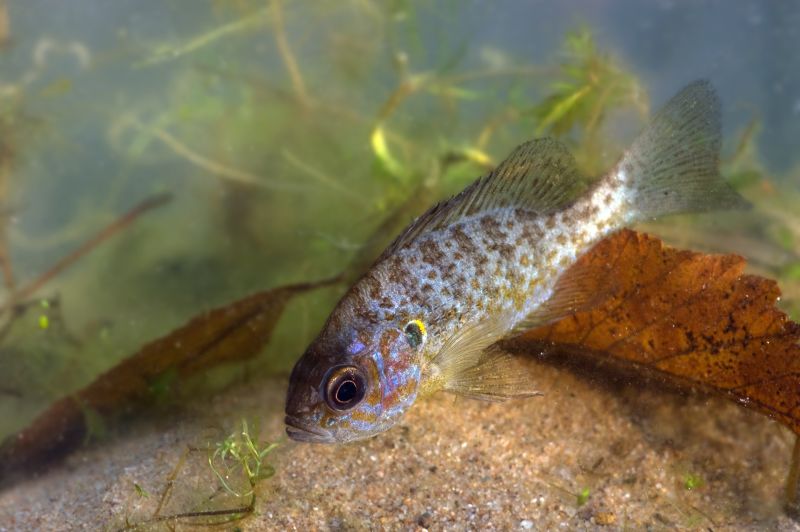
352, 385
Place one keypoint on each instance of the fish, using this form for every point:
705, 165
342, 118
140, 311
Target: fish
488, 263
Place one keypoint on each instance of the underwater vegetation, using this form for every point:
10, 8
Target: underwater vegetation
313, 167
239, 461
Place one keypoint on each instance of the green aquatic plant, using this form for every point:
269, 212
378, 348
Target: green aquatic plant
589, 85
240, 458
742, 167
11, 123
693, 482
240, 452
582, 497
172, 51
140, 491
771, 237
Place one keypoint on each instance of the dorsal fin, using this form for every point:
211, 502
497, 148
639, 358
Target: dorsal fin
539, 176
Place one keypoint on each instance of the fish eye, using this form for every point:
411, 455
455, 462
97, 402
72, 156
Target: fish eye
415, 333
345, 387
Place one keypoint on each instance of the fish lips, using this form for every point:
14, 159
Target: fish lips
297, 430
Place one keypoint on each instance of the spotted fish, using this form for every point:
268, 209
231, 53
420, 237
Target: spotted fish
487, 263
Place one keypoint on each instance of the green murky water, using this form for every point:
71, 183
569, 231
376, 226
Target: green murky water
288, 132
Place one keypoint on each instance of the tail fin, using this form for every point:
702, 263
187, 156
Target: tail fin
673, 166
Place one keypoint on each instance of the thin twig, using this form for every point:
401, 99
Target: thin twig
223, 172
286, 53
339, 111
240, 512
165, 494
5, 262
107, 232
170, 53
320, 176
17, 311
744, 141
405, 89
6, 157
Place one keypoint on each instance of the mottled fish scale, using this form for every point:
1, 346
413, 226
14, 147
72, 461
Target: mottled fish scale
477, 267
514, 256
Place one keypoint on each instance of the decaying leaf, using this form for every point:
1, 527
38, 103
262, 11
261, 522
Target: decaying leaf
690, 317
233, 332
695, 320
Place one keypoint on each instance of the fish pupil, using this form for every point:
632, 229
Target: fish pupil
346, 392
345, 387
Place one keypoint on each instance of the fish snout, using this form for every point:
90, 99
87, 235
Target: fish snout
299, 430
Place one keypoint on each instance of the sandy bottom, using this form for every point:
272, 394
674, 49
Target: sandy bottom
584, 456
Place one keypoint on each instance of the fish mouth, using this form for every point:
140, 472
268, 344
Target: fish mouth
299, 431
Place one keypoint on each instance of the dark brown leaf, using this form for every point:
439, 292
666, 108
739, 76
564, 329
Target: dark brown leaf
694, 319
233, 332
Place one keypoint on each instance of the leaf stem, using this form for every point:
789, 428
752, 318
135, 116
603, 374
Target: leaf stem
286, 54
224, 173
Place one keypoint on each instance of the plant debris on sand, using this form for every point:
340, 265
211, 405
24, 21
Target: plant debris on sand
451, 463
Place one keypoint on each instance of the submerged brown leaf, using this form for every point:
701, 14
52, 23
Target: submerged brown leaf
695, 319
234, 332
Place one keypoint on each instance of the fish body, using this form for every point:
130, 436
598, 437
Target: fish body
497, 257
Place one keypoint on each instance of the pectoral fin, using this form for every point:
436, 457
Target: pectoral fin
471, 364
496, 377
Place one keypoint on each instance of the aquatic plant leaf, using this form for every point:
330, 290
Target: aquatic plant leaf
450, 91
589, 84
694, 319
233, 332
555, 108
381, 149
170, 52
